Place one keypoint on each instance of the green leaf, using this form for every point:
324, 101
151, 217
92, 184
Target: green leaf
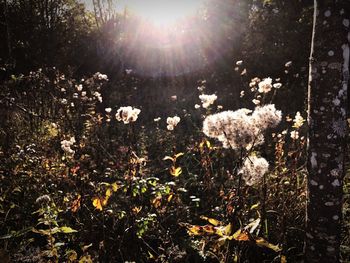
67, 230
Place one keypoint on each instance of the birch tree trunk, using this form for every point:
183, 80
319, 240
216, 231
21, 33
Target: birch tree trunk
327, 112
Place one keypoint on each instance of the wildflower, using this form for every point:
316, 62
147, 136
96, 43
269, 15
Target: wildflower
234, 129
43, 199
201, 88
172, 122
253, 82
220, 107
64, 101
101, 76
253, 169
277, 85
127, 114
207, 100
294, 135
239, 63
265, 85
98, 96
298, 120
266, 116
157, 119
75, 95
79, 87
108, 110
241, 129
256, 102
63, 90
242, 94
67, 144
83, 94
197, 106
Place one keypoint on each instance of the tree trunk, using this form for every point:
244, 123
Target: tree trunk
327, 112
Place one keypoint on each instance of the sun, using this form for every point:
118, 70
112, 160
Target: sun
163, 12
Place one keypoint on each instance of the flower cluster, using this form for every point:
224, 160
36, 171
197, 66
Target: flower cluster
265, 85
101, 76
266, 117
172, 122
253, 169
207, 100
98, 96
241, 129
127, 114
298, 120
67, 144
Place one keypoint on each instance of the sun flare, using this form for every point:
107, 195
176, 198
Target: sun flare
163, 12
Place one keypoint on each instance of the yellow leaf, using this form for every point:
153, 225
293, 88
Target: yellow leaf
208, 144
97, 203
170, 197
211, 220
240, 236
108, 193
157, 201
85, 259
175, 171
115, 187
136, 210
195, 230
67, 230
76, 204
178, 155
168, 158
254, 206
263, 243
283, 259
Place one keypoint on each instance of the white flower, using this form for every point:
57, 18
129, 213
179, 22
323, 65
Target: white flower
83, 94
277, 85
101, 76
298, 120
242, 94
207, 100
172, 122
197, 106
253, 169
266, 117
79, 87
75, 95
256, 102
201, 88
265, 85
294, 135
98, 96
234, 129
127, 114
241, 129
108, 110
157, 119
67, 144
239, 62
64, 101
254, 82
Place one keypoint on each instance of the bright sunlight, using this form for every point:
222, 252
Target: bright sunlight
162, 12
